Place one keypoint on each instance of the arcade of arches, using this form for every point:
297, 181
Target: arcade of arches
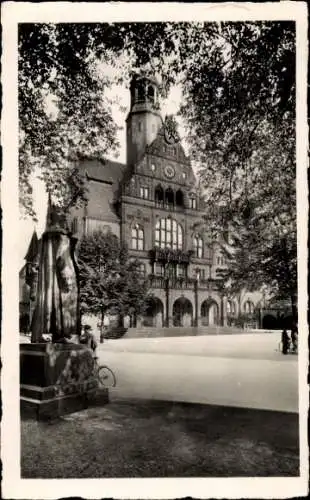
183, 313
209, 314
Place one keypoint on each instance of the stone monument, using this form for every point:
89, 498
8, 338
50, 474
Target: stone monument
56, 377
57, 298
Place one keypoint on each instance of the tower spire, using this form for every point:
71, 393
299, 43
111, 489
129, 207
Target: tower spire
49, 212
56, 219
144, 119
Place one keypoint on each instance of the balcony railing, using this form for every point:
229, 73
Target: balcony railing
182, 283
169, 255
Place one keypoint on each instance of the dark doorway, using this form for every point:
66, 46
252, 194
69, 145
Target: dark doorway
182, 312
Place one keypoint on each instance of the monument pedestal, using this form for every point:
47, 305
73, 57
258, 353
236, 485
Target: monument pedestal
56, 379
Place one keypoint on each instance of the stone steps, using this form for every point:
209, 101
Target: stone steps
182, 331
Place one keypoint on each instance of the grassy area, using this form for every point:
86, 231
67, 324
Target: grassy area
161, 439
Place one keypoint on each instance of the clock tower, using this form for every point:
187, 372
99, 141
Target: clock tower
144, 120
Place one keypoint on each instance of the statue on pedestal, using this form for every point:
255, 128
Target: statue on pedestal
57, 298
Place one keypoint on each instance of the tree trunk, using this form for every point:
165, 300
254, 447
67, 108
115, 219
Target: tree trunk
294, 307
101, 325
121, 320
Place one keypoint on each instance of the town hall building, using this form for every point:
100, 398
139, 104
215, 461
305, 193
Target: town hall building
153, 203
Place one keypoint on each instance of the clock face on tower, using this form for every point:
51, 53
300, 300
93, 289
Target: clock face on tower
169, 171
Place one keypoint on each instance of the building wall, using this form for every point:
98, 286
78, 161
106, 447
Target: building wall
153, 161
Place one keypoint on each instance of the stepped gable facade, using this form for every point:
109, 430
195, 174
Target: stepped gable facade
153, 204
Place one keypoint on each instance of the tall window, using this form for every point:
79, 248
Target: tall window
144, 192
141, 269
180, 270
179, 198
248, 307
137, 238
193, 203
198, 246
200, 274
169, 234
159, 196
151, 93
231, 307
220, 260
169, 198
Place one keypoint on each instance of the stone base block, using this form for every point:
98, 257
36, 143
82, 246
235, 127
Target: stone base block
56, 379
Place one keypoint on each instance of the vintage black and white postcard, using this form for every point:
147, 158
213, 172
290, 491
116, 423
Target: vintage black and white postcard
154, 270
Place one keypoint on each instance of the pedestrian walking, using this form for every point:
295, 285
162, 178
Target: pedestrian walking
87, 338
285, 341
104, 328
294, 336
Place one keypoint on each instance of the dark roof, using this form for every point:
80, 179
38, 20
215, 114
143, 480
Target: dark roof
101, 198
33, 248
103, 170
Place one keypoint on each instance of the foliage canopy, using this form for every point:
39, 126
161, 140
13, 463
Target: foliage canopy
109, 280
238, 83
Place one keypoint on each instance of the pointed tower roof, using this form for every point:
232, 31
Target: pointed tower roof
49, 212
33, 248
56, 220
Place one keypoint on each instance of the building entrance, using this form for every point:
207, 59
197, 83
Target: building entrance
154, 315
209, 313
182, 312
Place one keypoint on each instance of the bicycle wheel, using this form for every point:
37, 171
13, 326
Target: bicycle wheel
106, 377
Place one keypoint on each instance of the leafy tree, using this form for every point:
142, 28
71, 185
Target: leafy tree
240, 112
64, 109
109, 280
238, 82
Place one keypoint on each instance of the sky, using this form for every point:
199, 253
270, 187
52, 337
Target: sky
169, 106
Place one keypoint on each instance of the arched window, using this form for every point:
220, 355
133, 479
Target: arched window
140, 91
137, 238
231, 307
169, 234
151, 93
169, 198
221, 260
159, 196
193, 202
144, 192
198, 246
179, 199
248, 307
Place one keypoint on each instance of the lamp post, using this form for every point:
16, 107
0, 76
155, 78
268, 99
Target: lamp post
196, 277
101, 268
166, 271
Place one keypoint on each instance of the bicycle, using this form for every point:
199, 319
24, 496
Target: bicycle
292, 349
104, 375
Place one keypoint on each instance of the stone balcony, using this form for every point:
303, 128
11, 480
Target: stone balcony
169, 255
183, 283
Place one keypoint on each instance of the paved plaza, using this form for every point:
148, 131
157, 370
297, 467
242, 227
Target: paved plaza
151, 428
238, 370
246, 370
